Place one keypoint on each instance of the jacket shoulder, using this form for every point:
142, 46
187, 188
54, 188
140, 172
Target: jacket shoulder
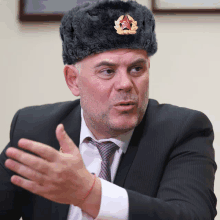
49, 110
181, 115
176, 124
42, 120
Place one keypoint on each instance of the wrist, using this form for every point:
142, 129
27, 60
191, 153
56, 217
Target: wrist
91, 204
88, 192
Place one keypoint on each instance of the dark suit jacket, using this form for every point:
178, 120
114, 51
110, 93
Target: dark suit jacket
168, 169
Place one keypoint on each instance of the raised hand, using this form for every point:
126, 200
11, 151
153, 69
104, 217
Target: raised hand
60, 177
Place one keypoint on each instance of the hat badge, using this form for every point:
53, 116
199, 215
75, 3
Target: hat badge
126, 25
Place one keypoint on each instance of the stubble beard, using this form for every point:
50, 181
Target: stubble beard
101, 124
114, 129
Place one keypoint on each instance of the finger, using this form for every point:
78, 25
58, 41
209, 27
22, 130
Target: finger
34, 162
65, 141
25, 171
27, 184
42, 150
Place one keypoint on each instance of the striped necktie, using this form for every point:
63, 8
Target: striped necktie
106, 150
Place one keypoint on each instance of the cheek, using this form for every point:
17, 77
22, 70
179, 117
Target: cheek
143, 85
143, 89
103, 95
86, 87
94, 91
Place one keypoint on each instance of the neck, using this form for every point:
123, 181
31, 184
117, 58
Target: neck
101, 132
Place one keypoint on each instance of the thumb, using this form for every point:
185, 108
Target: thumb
66, 144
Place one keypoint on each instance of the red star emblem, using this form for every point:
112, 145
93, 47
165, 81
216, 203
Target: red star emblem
125, 23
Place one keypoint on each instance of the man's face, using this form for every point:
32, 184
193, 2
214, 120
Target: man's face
114, 89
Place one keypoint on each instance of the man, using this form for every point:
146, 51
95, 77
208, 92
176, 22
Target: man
137, 159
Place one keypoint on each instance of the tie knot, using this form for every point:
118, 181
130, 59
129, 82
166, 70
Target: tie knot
106, 149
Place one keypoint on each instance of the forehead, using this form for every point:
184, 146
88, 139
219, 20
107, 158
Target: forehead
117, 56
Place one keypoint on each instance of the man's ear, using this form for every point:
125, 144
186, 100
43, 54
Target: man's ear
71, 75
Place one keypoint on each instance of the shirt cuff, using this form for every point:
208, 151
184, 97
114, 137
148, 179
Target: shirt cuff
114, 202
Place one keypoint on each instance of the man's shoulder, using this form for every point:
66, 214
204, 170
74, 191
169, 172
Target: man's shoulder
37, 122
170, 110
53, 106
175, 116
170, 125
49, 110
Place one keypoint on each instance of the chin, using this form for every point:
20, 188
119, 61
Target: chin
124, 125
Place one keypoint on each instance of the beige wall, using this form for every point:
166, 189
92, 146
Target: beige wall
184, 72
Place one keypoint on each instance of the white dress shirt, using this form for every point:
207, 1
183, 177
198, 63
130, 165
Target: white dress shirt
114, 199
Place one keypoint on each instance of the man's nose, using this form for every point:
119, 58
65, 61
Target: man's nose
123, 81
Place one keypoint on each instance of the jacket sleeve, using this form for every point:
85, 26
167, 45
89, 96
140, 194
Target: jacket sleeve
186, 188
10, 195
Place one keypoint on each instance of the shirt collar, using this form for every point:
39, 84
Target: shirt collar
122, 140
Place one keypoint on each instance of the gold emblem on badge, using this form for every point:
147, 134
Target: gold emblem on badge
126, 25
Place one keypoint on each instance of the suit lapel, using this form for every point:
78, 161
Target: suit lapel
72, 125
128, 158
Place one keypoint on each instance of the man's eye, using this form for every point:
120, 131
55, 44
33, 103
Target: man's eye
107, 72
136, 69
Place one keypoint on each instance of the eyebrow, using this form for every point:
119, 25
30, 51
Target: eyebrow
106, 63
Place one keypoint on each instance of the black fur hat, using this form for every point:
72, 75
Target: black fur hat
90, 28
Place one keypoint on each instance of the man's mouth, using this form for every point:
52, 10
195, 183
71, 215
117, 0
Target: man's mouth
127, 103
125, 106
